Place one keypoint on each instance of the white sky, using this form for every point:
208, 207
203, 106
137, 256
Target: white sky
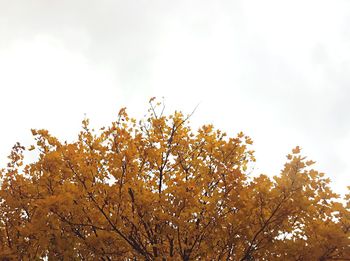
277, 70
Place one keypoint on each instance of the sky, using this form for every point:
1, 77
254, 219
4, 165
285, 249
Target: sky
277, 70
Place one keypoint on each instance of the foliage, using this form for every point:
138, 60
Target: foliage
156, 190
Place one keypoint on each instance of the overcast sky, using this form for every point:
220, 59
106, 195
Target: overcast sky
277, 70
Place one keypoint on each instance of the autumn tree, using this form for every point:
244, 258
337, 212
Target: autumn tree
157, 190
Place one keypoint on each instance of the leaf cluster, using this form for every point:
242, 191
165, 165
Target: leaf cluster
157, 190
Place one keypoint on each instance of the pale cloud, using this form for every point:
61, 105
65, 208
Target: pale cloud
277, 70
46, 86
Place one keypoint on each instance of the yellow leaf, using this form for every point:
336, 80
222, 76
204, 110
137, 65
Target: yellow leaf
296, 150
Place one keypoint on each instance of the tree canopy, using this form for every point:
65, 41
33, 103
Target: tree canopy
158, 190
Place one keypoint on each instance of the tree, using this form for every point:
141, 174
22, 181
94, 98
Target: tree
157, 190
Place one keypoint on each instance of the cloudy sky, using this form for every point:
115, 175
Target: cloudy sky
277, 70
